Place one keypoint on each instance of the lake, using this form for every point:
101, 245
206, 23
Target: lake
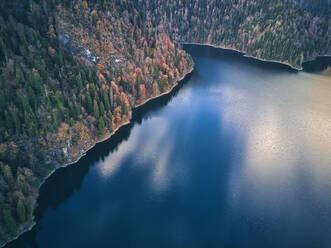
239, 155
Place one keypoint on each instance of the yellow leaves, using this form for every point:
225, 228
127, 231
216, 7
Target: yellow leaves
118, 113
63, 131
34, 71
142, 91
42, 142
27, 172
125, 100
94, 13
99, 25
165, 77
76, 7
133, 77
100, 67
110, 46
51, 31
165, 66
85, 5
115, 87
101, 77
171, 74
82, 133
148, 60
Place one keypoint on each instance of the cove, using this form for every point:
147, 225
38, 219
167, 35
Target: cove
238, 155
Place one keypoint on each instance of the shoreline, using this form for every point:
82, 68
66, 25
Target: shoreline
166, 92
109, 135
244, 54
84, 152
311, 59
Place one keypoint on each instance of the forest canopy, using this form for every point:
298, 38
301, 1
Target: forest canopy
71, 71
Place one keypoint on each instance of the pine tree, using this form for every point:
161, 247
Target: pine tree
8, 120
79, 81
21, 213
96, 111
9, 220
16, 119
102, 109
89, 105
55, 120
124, 108
106, 100
101, 125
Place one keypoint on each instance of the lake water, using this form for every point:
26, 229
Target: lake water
238, 156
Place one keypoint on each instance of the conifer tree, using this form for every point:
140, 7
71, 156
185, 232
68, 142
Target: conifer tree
20, 209
96, 111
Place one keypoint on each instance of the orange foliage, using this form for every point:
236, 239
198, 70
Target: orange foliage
51, 51
101, 77
63, 130
115, 87
125, 100
85, 5
118, 112
142, 91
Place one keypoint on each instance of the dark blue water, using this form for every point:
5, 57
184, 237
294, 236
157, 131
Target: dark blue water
238, 156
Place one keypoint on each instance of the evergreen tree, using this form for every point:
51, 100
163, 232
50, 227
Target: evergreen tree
20, 209
89, 105
106, 100
9, 220
101, 125
102, 109
96, 111
56, 122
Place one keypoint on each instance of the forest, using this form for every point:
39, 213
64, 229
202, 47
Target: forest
72, 71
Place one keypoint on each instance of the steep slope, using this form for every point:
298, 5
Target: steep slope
71, 71
70, 75
281, 31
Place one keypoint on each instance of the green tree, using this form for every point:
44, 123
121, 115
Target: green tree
9, 221
56, 122
124, 108
21, 212
25, 103
101, 125
79, 81
102, 109
89, 105
106, 100
16, 118
96, 111
8, 120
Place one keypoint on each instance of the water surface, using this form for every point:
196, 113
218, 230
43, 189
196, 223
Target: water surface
239, 156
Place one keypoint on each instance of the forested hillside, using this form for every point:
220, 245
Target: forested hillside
270, 30
71, 72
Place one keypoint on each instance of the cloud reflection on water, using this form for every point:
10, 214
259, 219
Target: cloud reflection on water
286, 136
